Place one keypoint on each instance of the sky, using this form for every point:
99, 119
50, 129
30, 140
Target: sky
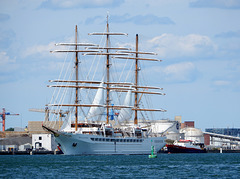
198, 41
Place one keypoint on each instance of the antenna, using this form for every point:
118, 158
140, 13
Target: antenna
107, 16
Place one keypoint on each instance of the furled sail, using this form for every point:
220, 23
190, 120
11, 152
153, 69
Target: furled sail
98, 100
126, 113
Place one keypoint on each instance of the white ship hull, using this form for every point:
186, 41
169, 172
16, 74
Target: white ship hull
85, 144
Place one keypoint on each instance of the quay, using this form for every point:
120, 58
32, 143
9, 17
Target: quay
60, 153
30, 153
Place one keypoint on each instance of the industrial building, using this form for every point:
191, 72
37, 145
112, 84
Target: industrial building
170, 128
225, 138
225, 131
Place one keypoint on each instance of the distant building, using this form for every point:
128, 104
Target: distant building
13, 143
43, 141
187, 124
168, 127
179, 119
225, 131
25, 147
193, 134
214, 140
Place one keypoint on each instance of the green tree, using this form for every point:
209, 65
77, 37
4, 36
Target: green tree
10, 129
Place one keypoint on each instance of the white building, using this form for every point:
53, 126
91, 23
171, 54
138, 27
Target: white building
25, 147
168, 127
45, 141
193, 134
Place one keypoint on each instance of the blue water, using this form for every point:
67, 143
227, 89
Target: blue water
121, 166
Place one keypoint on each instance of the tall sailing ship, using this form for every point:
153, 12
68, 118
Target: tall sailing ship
102, 127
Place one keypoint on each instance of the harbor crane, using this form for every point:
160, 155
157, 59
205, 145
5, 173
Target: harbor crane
3, 116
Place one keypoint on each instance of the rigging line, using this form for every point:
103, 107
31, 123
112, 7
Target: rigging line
126, 62
146, 113
98, 59
62, 97
82, 68
129, 72
152, 113
93, 62
60, 74
69, 78
58, 108
144, 96
57, 93
81, 108
80, 94
114, 73
102, 39
149, 103
119, 80
149, 100
89, 91
64, 93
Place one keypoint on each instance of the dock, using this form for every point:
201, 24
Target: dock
31, 152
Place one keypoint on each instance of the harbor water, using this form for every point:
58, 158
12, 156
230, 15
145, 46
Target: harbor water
209, 165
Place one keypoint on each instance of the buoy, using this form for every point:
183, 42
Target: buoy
152, 153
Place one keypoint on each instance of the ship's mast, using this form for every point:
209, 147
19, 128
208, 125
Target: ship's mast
108, 54
136, 86
136, 82
76, 104
76, 91
107, 67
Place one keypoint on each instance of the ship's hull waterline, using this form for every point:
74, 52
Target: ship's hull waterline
84, 144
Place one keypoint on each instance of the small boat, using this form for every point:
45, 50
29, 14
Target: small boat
184, 146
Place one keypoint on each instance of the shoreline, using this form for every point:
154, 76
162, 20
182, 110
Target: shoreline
60, 153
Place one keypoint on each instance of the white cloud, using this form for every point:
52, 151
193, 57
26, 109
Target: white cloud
223, 4
221, 83
39, 49
180, 72
126, 45
80, 3
7, 65
43, 50
5, 60
184, 72
172, 46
